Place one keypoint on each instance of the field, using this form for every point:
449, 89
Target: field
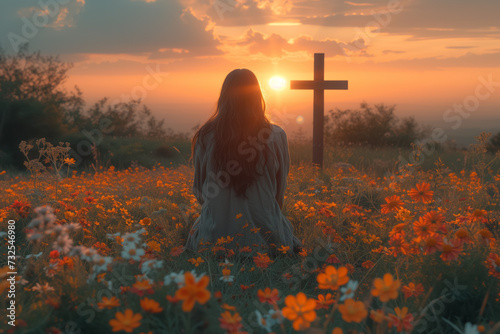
389, 248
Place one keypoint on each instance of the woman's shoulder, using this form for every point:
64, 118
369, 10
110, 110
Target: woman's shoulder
278, 134
205, 140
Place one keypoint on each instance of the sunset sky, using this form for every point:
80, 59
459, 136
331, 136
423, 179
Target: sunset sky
425, 56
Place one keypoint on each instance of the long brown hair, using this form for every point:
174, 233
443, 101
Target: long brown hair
239, 115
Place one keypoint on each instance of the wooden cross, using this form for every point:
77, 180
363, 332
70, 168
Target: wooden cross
318, 85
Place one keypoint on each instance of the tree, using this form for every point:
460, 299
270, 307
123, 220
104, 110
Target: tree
373, 126
493, 145
32, 99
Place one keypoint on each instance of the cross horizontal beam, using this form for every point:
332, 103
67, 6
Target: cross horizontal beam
318, 85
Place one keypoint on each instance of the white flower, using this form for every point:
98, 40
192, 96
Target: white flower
262, 321
173, 277
131, 238
85, 253
63, 244
268, 320
178, 278
42, 288
348, 290
22, 281
226, 263
34, 236
227, 278
58, 229
101, 262
470, 329
36, 256
113, 236
149, 265
73, 227
130, 251
197, 277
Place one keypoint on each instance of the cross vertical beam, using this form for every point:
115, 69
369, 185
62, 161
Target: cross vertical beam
319, 108
318, 85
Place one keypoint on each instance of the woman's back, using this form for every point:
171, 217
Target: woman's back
253, 221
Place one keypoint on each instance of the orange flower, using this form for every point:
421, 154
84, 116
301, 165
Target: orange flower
432, 243
402, 319
145, 221
462, 236
478, 215
324, 301
450, 250
141, 287
196, 262
394, 203
485, 236
412, 290
150, 305
228, 307
245, 249
332, 278
262, 260
367, 264
230, 322
424, 227
268, 296
193, 292
422, 193
126, 321
377, 315
300, 310
108, 303
353, 311
176, 251
284, 249
386, 288
433, 217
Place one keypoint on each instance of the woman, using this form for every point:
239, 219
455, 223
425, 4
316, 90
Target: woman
241, 164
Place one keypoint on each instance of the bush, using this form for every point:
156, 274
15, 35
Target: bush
373, 126
493, 145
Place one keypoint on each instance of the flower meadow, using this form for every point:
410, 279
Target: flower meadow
102, 252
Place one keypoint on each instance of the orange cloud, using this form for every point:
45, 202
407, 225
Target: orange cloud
275, 45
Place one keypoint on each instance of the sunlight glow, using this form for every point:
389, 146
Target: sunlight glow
277, 83
284, 24
299, 120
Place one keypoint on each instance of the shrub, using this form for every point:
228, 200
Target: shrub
373, 126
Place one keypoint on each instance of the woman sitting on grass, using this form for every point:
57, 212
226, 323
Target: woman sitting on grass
241, 163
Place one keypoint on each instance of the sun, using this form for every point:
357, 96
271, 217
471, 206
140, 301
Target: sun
277, 83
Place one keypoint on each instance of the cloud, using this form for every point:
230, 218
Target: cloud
392, 52
360, 4
117, 27
472, 60
422, 19
275, 45
235, 12
460, 47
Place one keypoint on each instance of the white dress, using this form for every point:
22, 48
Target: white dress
260, 221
